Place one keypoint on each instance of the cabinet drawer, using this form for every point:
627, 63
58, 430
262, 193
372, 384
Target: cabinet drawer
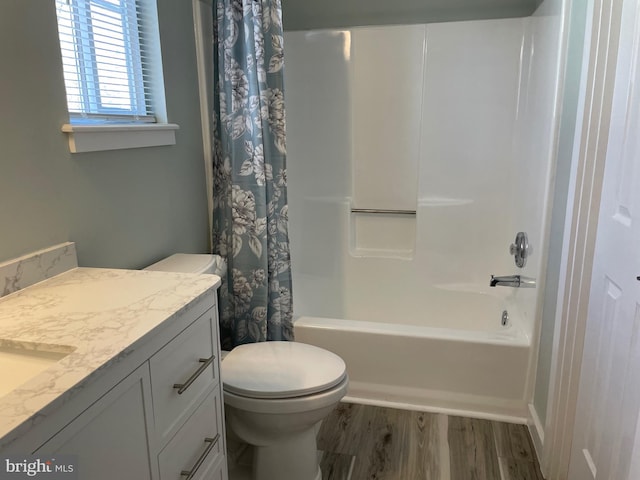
198, 445
178, 363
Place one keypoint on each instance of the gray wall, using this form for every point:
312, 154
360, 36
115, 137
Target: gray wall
308, 14
124, 208
573, 69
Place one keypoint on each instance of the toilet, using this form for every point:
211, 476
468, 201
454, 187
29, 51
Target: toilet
275, 393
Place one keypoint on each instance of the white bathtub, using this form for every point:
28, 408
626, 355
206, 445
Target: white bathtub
405, 299
474, 367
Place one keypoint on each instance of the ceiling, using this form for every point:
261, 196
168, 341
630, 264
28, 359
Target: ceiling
309, 14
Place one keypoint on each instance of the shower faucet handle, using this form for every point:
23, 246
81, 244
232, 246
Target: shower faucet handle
520, 249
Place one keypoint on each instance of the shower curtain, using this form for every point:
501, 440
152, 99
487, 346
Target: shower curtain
250, 224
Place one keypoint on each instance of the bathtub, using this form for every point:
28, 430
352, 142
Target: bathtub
455, 358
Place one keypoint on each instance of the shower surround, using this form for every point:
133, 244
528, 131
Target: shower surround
448, 121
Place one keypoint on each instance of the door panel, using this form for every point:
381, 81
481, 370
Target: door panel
609, 395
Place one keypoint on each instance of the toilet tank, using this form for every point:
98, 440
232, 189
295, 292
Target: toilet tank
191, 263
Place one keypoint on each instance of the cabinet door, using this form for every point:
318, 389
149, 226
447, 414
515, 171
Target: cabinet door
110, 437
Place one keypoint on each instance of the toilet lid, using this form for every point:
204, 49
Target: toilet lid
280, 370
186, 263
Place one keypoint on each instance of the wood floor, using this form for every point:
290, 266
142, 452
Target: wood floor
361, 442
375, 443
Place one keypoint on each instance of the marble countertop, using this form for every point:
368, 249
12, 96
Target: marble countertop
93, 315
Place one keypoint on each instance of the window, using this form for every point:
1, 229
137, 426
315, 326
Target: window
110, 59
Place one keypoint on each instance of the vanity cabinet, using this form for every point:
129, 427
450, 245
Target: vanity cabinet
163, 421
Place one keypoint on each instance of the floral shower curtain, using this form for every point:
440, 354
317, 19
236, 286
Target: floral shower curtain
250, 224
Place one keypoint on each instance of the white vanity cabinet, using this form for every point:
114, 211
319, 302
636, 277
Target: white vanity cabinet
162, 421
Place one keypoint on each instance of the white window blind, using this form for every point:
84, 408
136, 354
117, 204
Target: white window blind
106, 59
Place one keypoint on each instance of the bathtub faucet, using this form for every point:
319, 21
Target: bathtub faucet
512, 281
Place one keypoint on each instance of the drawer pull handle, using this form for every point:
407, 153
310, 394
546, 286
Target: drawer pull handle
205, 363
211, 443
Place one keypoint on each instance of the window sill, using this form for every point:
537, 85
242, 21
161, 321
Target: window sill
95, 138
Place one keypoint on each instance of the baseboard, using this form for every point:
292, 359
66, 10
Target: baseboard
536, 429
488, 408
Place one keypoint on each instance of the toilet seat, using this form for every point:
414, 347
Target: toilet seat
288, 406
281, 370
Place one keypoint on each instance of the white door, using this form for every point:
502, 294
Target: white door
609, 394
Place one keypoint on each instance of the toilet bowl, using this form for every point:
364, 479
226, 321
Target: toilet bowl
275, 393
